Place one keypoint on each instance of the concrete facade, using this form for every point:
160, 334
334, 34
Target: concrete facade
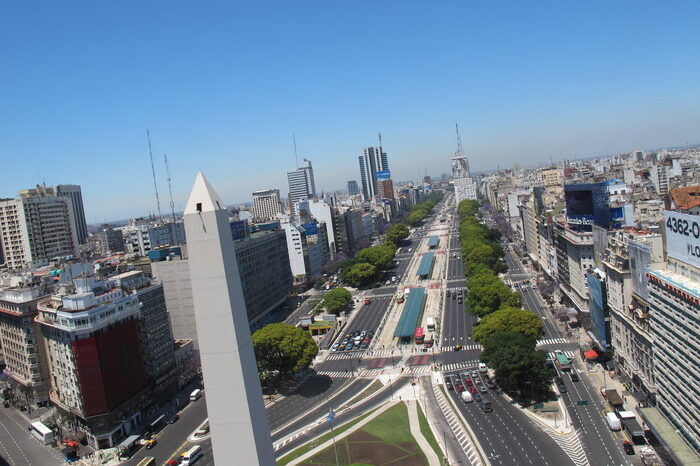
237, 419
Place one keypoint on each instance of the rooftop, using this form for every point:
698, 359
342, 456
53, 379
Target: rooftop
426, 264
411, 312
686, 198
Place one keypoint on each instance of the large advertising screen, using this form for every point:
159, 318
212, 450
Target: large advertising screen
383, 175
683, 237
587, 204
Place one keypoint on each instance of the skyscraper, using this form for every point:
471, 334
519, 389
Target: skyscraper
266, 204
237, 419
372, 160
353, 188
76, 196
301, 184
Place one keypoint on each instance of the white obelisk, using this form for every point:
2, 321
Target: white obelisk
237, 419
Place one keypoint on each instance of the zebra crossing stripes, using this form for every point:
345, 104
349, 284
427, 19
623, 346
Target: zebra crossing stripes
569, 354
337, 356
460, 365
570, 443
551, 341
464, 347
335, 374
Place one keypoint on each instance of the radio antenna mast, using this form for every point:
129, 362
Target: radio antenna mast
296, 158
153, 169
170, 186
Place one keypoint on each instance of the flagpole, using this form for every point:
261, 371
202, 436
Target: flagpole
331, 417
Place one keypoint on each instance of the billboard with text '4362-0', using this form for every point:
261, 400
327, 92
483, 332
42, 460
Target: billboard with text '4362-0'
683, 237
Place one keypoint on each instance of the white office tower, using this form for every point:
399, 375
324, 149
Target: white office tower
237, 418
465, 187
266, 205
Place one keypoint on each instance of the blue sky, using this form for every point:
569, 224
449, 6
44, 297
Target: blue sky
222, 86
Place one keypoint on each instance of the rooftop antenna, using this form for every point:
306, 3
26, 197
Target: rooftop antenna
170, 186
459, 139
380, 142
296, 158
153, 169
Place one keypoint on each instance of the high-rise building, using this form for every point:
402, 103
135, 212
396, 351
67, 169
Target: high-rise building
465, 187
96, 362
266, 205
301, 184
76, 196
37, 227
353, 189
109, 240
20, 337
237, 420
372, 160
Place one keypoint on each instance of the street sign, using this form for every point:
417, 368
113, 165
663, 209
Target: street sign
582, 403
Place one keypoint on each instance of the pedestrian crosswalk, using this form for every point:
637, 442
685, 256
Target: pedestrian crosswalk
464, 347
570, 443
551, 341
459, 365
336, 374
569, 354
339, 356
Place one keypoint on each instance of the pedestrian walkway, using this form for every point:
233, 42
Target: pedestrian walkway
552, 341
460, 365
414, 425
336, 374
464, 347
339, 356
568, 354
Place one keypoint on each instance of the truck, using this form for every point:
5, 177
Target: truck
613, 421
613, 397
630, 424
367, 300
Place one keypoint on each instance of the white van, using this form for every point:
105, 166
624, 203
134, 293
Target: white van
613, 421
194, 396
467, 397
191, 455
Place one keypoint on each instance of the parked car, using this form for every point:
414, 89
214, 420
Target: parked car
628, 447
335, 346
174, 419
574, 377
151, 443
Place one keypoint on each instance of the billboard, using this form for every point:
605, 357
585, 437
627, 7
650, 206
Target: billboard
383, 175
683, 237
587, 204
310, 228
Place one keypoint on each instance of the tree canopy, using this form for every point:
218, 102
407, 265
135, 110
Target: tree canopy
283, 348
361, 273
337, 300
378, 256
396, 234
509, 319
520, 369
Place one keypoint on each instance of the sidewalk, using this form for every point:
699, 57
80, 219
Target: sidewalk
414, 425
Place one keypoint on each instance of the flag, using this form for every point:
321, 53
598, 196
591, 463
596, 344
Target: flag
331, 415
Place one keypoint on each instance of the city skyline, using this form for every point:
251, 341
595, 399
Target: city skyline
81, 91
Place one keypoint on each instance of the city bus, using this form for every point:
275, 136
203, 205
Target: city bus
419, 336
147, 461
430, 324
43, 433
562, 361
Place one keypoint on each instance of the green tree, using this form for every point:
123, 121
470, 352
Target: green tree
509, 319
396, 234
361, 274
378, 256
284, 349
337, 300
519, 368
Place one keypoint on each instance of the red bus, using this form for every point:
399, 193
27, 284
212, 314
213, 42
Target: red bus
419, 336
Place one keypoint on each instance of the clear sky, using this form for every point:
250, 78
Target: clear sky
222, 86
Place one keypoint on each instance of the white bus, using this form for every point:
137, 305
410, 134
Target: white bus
43, 433
190, 456
430, 324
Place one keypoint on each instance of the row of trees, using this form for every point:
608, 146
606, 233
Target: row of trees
282, 350
368, 264
420, 211
508, 333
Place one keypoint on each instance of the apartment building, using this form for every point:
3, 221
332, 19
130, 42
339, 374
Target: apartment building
266, 205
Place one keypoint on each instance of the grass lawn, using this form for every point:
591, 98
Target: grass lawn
385, 440
428, 434
316, 442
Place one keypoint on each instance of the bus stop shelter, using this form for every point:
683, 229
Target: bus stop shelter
412, 312
425, 269
433, 242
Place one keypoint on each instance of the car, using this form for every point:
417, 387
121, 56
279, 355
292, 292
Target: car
335, 346
483, 389
473, 389
474, 374
563, 389
174, 419
173, 462
448, 383
349, 347
459, 300
459, 387
457, 347
469, 382
574, 377
363, 333
490, 384
342, 347
486, 406
476, 397
151, 443
364, 345
454, 296
628, 447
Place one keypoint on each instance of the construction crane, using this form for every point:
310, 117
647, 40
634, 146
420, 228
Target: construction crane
153, 169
